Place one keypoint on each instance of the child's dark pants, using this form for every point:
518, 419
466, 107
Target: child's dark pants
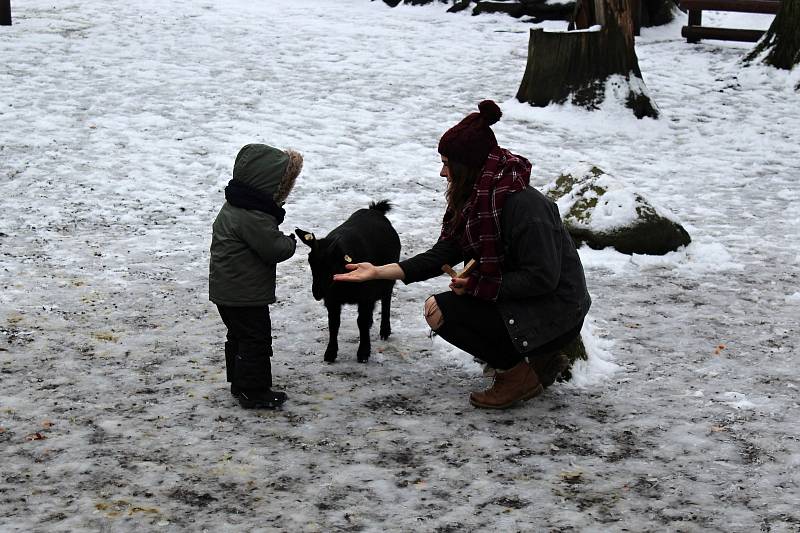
248, 347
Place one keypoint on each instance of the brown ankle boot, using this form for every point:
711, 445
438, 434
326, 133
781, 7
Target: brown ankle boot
509, 387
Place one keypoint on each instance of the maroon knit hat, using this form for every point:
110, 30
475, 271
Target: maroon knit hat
470, 141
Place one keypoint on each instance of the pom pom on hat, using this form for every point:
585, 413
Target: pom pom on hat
490, 111
470, 141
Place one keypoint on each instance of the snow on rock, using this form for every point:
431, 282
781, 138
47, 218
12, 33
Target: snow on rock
601, 211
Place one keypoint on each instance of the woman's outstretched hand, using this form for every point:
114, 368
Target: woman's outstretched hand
358, 272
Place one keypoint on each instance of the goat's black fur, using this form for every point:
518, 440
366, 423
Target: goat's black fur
367, 236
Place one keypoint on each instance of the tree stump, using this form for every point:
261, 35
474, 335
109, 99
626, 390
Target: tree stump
577, 65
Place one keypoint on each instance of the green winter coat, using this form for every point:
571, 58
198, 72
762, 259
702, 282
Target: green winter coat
246, 244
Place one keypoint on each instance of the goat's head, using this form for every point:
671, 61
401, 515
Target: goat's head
326, 258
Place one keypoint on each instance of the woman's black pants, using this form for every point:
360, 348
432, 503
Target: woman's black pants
476, 327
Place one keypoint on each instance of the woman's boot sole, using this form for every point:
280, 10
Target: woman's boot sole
527, 396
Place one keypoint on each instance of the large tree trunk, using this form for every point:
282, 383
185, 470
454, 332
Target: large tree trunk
781, 42
5, 12
587, 66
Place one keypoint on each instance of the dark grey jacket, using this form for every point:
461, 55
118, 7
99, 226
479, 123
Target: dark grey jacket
246, 244
543, 293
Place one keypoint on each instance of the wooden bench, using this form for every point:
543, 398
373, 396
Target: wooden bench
695, 31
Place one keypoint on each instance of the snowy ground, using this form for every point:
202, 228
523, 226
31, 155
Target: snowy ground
118, 128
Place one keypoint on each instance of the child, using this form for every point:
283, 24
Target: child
246, 246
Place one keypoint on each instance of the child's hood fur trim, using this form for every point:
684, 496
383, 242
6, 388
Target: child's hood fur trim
293, 169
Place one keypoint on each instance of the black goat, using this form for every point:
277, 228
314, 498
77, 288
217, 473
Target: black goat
367, 236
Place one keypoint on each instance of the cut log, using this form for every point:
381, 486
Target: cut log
770, 7
694, 34
577, 65
542, 11
534, 8
514, 9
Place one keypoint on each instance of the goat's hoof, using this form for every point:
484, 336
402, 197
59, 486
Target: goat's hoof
385, 334
363, 359
329, 358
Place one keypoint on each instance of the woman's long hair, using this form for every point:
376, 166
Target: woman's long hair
459, 189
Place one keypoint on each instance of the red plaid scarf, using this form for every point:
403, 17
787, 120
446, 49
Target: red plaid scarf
478, 227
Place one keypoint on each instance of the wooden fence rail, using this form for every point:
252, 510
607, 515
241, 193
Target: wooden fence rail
695, 30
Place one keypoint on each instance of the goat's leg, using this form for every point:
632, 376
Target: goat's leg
386, 307
364, 321
334, 320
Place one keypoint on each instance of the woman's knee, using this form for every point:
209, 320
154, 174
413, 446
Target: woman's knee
433, 315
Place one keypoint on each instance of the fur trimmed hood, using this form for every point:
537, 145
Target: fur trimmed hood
293, 168
271, 171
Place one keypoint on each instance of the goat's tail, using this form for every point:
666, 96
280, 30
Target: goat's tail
383, 206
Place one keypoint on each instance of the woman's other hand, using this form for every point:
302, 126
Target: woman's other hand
459, 285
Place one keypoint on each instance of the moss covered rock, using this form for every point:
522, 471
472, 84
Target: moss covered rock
572, 352
601, 211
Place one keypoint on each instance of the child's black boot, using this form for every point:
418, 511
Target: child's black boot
253, 382
261, 399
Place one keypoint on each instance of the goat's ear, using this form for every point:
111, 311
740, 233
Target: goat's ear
306, 237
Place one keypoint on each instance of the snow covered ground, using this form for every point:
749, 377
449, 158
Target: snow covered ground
119, 122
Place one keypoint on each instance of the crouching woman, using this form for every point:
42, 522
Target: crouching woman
527, 298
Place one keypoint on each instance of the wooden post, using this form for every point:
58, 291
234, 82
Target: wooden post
5, 12
695, 19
